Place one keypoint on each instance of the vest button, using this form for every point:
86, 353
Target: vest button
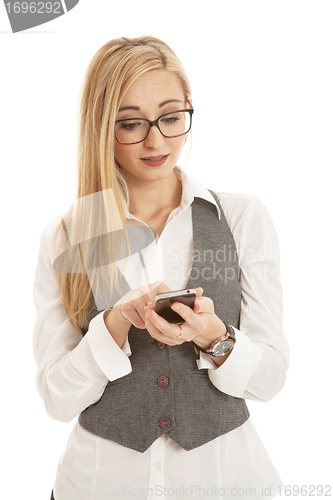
159, 344
162, 381
164, 422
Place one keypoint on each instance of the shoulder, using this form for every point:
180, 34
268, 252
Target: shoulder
251, 225
242, 209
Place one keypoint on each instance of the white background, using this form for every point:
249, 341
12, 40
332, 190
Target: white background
262, 80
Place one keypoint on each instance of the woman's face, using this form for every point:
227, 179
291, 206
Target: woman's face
153, 94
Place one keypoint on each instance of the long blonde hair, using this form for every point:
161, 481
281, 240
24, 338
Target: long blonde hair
109, 75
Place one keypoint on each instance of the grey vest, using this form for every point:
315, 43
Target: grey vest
166, 393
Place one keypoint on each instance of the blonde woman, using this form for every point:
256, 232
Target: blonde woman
161, 406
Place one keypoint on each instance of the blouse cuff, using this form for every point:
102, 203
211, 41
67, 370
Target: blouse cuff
233, 375
98, 355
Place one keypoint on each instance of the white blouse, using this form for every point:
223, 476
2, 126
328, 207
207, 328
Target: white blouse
73, 371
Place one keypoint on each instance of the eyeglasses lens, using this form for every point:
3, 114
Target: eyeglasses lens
171, 125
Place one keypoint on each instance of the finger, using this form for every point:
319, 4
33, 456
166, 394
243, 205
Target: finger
144, 291
160, 327
203, 305
156, 334
134, 317
161, 287
155, 319
199, 292
136, 320
134, 311
196, 320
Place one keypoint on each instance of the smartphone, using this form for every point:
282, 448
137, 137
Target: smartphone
163, 303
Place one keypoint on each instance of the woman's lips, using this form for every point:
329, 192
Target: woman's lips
155, 161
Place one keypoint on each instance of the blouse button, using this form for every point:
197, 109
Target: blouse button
164, 422
162, 381
159, 344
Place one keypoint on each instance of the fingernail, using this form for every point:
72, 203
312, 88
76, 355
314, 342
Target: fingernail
175, 307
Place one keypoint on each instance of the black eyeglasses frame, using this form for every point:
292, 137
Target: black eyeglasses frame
154, 124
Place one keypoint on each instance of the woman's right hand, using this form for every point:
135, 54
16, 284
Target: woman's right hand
129, 310
131, 305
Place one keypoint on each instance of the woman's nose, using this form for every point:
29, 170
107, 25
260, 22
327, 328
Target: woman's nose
154, 139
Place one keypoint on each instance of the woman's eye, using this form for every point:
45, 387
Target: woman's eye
130, 126
170, 119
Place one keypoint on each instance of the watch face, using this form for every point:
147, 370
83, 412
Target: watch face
223, 348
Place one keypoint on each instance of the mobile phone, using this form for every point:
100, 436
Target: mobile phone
163, 303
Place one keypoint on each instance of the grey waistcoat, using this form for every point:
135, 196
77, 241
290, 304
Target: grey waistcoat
139, 407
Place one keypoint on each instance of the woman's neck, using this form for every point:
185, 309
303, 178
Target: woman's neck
148, 199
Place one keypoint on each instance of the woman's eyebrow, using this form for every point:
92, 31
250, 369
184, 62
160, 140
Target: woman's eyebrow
137, 108
124, 108
167, 102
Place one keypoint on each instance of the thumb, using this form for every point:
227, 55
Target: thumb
196, 307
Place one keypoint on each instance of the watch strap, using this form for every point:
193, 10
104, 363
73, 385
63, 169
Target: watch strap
229, 336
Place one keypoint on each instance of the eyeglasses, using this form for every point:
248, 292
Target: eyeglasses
135, 130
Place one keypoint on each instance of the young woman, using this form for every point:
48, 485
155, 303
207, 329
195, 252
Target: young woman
162, 411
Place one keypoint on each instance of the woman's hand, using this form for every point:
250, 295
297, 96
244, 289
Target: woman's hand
132, 305
130, 310
200, 324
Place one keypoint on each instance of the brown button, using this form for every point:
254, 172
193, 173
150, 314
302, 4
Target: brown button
162, 381
159, 344
164, 422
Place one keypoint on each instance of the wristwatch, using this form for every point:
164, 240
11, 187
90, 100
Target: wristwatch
221, 346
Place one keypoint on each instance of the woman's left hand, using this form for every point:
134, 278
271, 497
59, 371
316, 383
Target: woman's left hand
200, 324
